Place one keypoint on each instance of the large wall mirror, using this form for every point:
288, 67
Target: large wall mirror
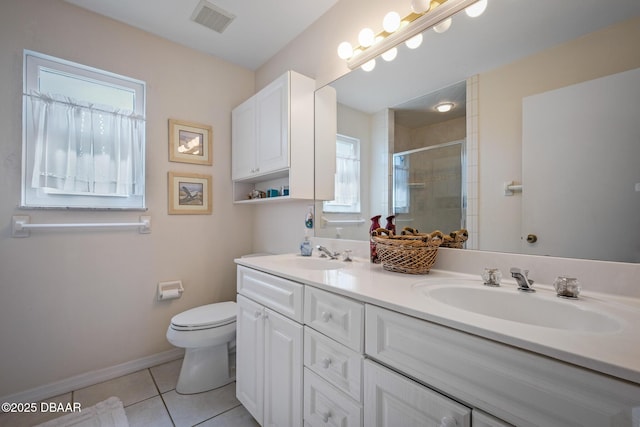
489, 68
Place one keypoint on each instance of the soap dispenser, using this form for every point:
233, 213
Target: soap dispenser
306, 249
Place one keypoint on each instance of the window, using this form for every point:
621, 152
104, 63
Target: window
401, 196
347, 185
83, 136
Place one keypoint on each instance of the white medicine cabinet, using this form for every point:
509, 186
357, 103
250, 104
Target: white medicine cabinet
273, 141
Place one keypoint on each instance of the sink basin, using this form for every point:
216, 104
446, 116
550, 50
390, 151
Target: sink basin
309, 263
532, 309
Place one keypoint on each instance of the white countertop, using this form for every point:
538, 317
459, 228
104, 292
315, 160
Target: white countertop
613, 353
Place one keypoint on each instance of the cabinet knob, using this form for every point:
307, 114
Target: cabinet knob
448, 422
258, 313
265, 316
325, 362
325, 316
325, 416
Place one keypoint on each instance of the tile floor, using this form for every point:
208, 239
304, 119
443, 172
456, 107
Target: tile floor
150, 399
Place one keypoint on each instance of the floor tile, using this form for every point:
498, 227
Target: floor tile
166, 375
236, 417
30, 419
187, 410
150, 412
130, 389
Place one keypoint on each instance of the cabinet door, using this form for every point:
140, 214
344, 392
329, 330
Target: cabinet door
272, 126
243, 137
283, 371
250, 356
391, 400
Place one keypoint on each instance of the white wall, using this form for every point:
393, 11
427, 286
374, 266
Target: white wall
608, 51
77, 301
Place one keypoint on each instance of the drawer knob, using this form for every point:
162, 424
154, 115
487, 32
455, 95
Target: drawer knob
325, 362
325, 316
448, 422
325, 416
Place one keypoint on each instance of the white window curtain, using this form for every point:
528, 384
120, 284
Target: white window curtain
401, 194
347, 181
81, 148
347, 178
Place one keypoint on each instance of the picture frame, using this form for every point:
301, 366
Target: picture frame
190, 142
189, 194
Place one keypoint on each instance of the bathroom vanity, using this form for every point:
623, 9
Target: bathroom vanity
374, 348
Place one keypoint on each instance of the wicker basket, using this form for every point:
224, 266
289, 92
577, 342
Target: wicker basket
412, 254
455, 239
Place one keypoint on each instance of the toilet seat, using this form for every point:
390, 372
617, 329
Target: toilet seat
205, 317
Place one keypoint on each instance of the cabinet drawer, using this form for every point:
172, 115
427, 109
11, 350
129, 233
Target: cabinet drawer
392, 400
324, 405
480, 419
335, 316
517, 386
336, 363
281, 295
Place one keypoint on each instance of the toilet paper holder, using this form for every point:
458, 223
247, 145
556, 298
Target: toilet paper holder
170, 290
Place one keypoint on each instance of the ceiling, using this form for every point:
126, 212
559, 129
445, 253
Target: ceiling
259, 31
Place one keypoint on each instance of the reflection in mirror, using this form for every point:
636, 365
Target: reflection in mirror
411, 152
428, 188
505, 58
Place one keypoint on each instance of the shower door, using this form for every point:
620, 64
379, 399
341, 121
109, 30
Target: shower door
428, 187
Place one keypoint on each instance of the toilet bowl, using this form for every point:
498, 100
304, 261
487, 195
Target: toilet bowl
207, 333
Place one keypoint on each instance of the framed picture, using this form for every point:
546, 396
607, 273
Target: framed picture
190, 142
189, 194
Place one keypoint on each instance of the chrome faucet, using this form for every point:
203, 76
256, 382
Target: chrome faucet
524, 283
326, 252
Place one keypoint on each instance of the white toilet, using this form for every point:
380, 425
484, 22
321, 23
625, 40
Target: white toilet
207, 333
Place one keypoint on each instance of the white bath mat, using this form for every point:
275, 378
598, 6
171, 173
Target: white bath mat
108, 413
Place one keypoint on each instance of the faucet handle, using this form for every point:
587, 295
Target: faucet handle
516, 270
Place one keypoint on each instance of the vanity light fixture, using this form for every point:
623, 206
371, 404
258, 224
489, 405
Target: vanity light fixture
444, 107
424, 14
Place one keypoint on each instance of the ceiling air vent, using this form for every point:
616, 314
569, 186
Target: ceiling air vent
211, 16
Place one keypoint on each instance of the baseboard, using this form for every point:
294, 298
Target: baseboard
76, 382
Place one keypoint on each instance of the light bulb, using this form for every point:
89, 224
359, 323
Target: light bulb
476, 9
444, 107
391, 22
390, 55
442, 26
345, 50
368, 66
414, 42
366, 37
420, 6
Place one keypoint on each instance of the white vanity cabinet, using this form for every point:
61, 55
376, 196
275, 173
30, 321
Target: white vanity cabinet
517, 386
333, 346
392, 400
269, 344
272, 137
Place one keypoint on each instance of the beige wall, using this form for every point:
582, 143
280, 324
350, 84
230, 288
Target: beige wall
501, 91
608, 51
314, 52
77, 301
